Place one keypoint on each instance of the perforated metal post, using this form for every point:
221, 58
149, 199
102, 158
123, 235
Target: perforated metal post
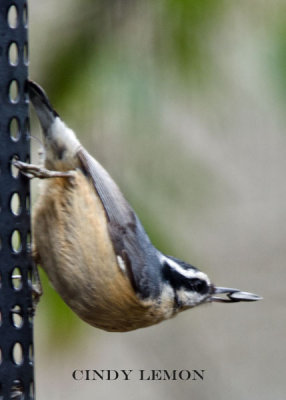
16, 322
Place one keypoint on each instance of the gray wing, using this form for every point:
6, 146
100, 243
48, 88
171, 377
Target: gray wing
127, 234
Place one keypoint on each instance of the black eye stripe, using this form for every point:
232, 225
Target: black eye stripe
179, 281
197, 285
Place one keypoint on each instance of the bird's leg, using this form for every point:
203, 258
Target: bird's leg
34, 171
37, 289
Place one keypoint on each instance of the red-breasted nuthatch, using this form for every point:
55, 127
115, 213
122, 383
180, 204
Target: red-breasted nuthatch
94, 248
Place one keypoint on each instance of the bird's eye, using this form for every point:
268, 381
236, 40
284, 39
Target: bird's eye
199, 285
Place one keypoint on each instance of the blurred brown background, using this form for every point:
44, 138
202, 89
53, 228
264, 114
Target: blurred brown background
183, 103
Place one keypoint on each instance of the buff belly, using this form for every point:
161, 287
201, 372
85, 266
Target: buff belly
72, 244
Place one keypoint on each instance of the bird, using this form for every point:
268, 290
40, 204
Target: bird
94, 248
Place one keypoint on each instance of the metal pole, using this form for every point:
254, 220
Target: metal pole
16, 321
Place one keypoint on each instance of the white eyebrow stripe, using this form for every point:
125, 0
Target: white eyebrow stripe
188, 273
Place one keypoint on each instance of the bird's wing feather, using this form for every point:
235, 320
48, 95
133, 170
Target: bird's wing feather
117, 209
128, 236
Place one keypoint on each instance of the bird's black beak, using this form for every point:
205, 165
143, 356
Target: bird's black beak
233, 295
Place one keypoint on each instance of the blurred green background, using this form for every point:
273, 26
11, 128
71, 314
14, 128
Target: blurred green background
183, 103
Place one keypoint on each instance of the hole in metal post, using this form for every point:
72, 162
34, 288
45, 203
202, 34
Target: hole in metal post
27, 128
14, 129
26, 54
28, 203
17, 316
14, 93
14, 170
25, 15
26, 98
16, 278
17, 353
12, 16
17, 390
28, 242
30, 276
13, 54
31, 353
15, 204
16, 241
